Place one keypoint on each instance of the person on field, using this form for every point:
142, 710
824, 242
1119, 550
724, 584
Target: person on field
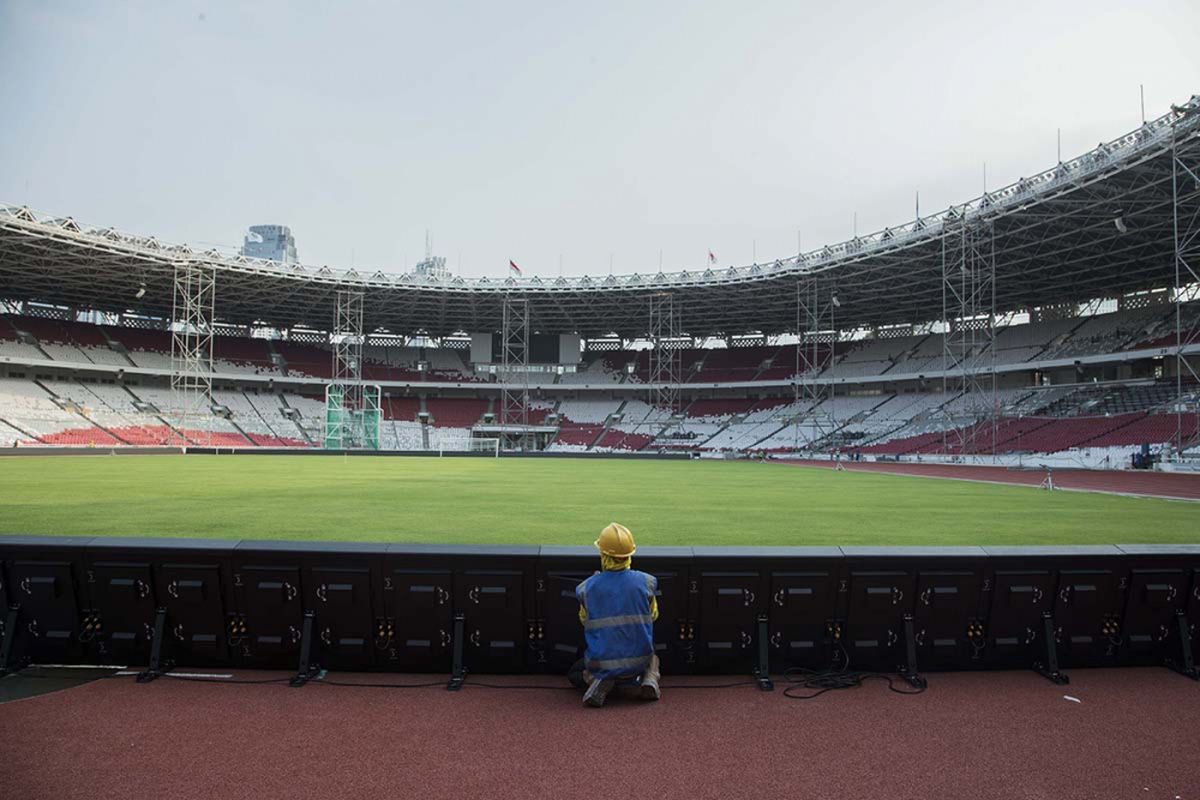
617, 607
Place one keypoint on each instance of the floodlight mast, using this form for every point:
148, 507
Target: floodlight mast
193, 304
665, 334
346, 412
514, 355
1185, 226
969, 401
816, 337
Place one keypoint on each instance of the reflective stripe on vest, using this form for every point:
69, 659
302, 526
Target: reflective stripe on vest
624, 619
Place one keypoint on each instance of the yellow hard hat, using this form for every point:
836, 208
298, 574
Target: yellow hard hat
616, 541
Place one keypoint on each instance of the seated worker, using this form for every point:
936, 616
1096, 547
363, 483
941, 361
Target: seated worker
617, 607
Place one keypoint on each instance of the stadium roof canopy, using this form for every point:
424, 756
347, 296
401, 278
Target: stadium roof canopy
1096, 226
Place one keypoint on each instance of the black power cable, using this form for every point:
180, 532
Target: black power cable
818, 682
327, 682
824, 682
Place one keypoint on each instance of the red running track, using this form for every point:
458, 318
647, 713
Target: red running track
1002, 735
1151, 484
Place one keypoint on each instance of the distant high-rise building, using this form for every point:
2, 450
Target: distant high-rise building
272, 242
431, 266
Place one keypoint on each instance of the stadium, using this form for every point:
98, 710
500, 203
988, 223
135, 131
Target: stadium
1050, 324
258, 515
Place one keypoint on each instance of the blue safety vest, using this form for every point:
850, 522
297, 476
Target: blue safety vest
619, 630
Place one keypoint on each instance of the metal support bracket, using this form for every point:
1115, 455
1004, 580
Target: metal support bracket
909, 673
10, 638
305, 671
1186, 664
762, 674
1049, 669
157, 664
458, 673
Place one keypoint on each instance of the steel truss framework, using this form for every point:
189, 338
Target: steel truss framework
514, 360
664, 332
1055, 242
815, 422
1185, 175
352, 409
193, 311
968, 339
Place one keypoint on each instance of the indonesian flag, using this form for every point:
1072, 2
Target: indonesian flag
711, 258
513, 267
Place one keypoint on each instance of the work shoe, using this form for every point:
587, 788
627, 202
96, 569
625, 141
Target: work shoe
649, 681
597, 693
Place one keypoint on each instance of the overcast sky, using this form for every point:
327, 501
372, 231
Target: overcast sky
572, 131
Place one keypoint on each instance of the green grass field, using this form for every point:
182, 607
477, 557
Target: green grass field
487, 500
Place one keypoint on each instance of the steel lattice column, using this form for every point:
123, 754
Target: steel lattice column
192, 348
816, 333
514, 357
664, 335
344, 395
1185, 210
969, 337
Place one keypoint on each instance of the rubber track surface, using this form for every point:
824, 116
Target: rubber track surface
980, 736
1150, 484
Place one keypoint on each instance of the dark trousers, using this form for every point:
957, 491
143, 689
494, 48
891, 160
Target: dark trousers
580, 678
576, 674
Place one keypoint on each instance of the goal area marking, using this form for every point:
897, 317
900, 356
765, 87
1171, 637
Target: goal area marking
487, 446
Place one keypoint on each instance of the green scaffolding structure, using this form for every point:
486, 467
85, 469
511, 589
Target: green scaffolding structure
352, 411
369, 417
337, 427
352, 417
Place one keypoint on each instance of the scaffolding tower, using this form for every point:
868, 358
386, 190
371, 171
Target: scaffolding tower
1185, 211
352, 409
969, 337
192, 310
665, 332
814, 422
514, 363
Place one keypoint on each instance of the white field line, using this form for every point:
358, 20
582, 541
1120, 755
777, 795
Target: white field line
1057, 488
